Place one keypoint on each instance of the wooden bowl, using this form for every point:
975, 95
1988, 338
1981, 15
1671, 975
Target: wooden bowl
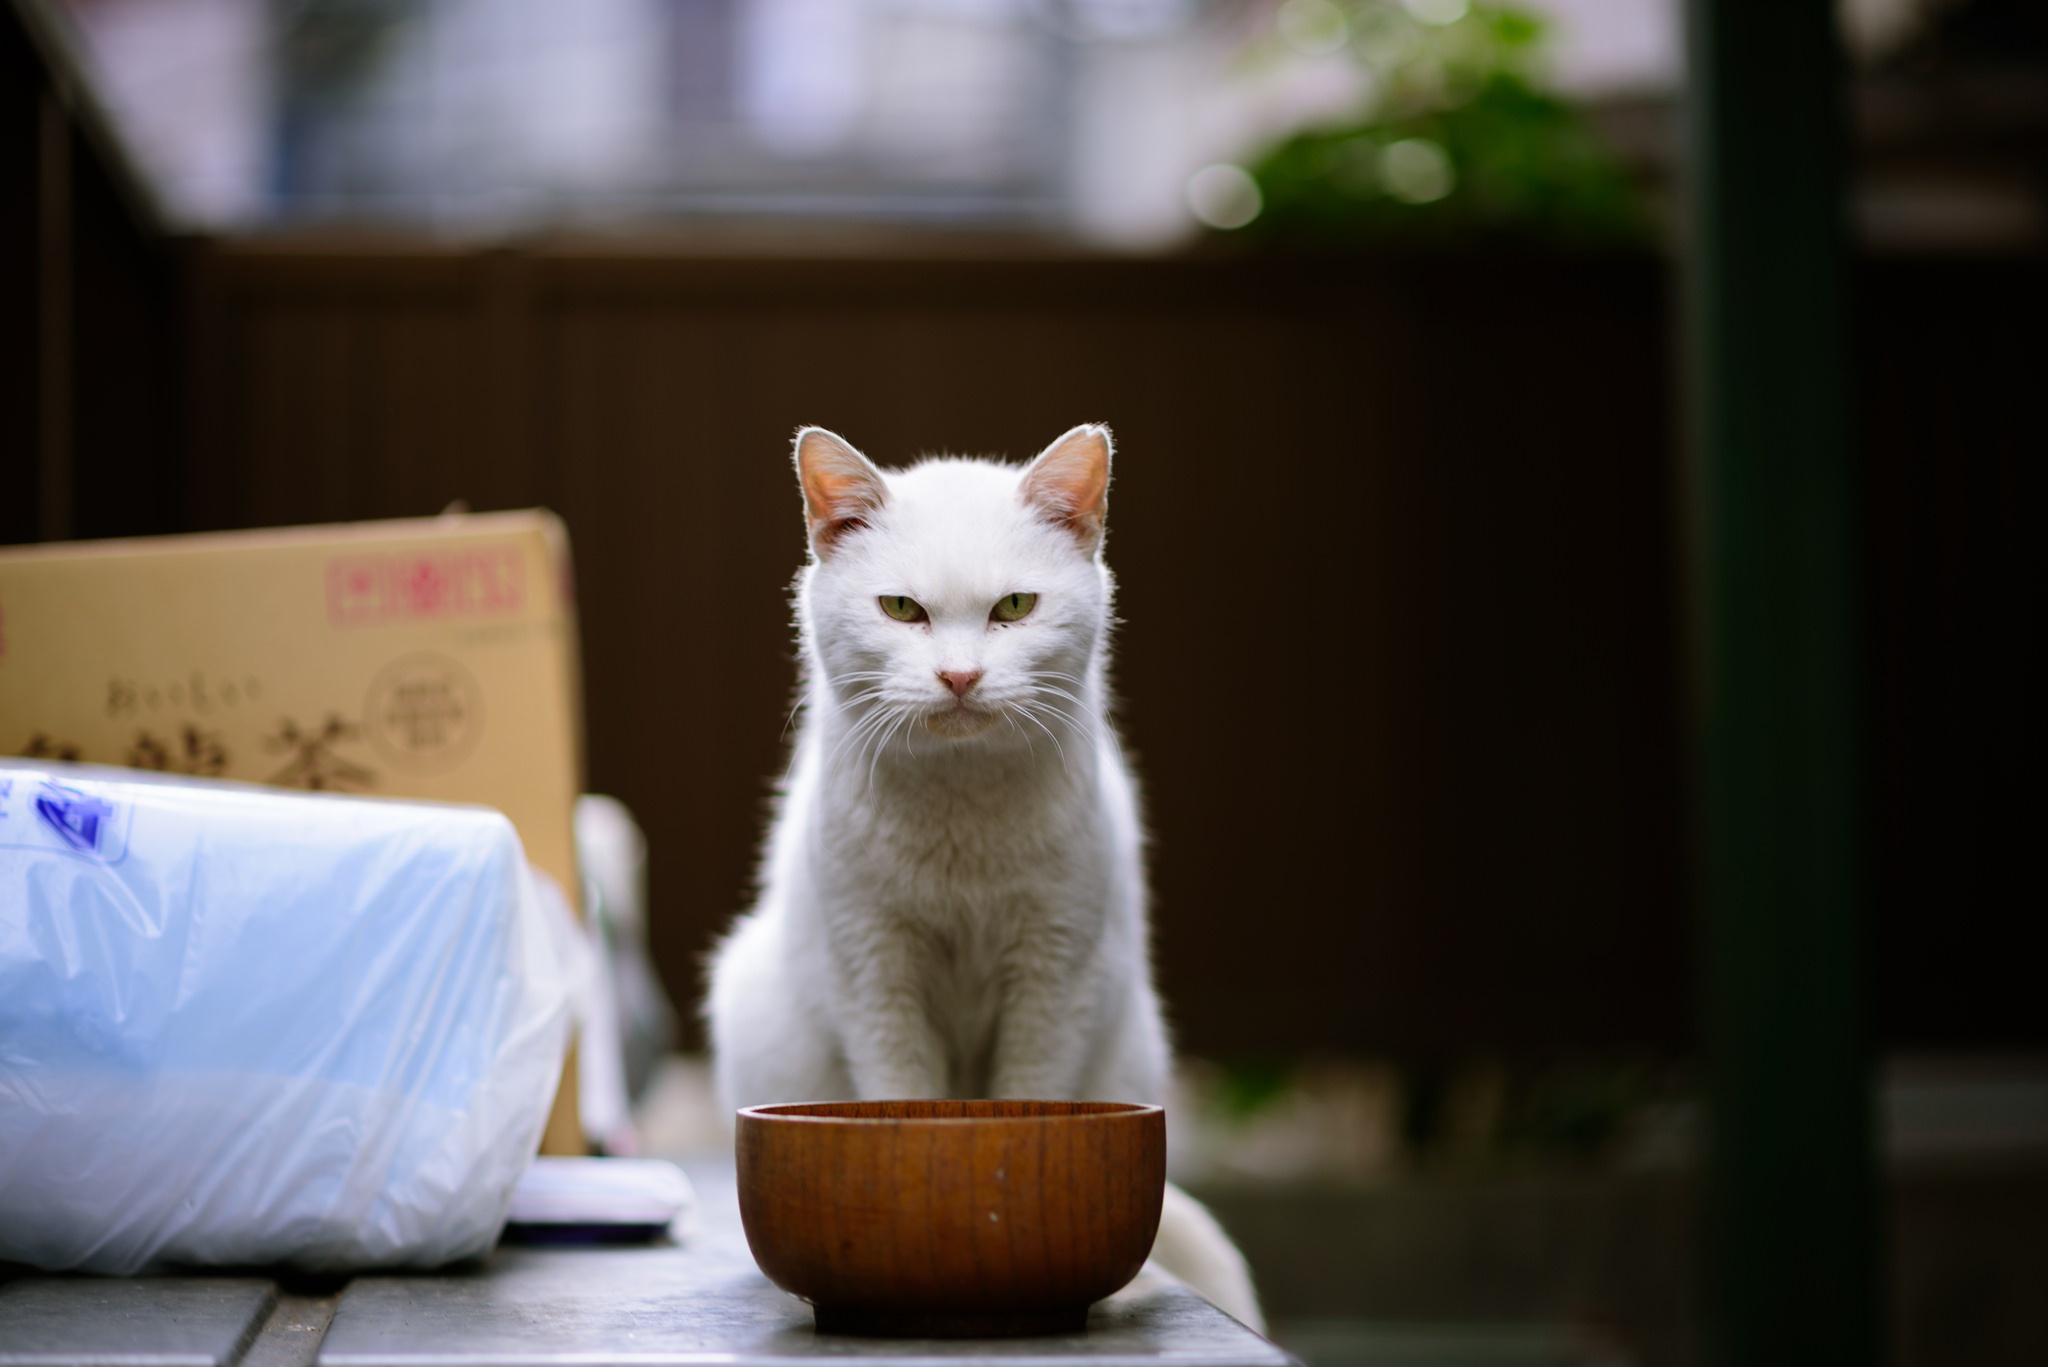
951, 1219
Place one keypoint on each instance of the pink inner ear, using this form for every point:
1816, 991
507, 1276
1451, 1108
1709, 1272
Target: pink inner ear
840, 487
1070, 480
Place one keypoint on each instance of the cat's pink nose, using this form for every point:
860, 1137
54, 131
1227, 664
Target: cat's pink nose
960, 680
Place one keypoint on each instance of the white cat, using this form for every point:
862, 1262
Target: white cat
953, 897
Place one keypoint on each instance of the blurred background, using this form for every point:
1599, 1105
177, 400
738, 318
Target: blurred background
1379, 297
1087, 121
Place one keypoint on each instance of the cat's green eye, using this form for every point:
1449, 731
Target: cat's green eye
1012, 607
901, 608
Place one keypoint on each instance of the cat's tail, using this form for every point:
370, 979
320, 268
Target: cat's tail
1194, 1248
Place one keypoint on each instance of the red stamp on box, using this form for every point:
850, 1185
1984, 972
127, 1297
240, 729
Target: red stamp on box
364, 590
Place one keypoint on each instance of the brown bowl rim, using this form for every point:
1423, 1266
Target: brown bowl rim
1095, 1112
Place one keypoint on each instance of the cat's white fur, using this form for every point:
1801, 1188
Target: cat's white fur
953, 897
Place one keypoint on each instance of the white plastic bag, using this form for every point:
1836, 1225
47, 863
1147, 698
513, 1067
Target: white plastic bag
240, 1026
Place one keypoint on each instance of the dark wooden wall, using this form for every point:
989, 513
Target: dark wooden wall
91, 433
1394, 544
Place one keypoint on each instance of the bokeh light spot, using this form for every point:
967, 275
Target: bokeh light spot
1314, 28
1417, 171
1224, 196
1437, 11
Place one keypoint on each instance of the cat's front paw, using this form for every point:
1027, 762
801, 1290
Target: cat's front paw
900, 1084
1033, 1084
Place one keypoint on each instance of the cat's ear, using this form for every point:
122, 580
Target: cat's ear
841, 488
1069, 483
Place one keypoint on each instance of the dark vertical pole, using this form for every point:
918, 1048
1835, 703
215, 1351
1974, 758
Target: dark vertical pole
1791, 1195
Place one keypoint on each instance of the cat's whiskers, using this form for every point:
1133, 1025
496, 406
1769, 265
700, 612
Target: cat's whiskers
1008, 716
803, 697
1044, 710
1038, 682
869, 739
856, 675
1085, 721
903, 719
846, 706
880, 685
1050, 677
1032, 717
869, 724
865, 736
1058, 692
1101, 726
880, 676
1041, 676
804, 700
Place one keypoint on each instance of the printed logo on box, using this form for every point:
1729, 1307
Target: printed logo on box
40, 813
364, 590
425, 713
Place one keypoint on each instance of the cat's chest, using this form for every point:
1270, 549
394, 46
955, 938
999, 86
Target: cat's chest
939, 856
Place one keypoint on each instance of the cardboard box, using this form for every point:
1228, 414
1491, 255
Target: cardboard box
431, 659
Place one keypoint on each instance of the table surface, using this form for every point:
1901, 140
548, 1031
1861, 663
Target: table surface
700, 1301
